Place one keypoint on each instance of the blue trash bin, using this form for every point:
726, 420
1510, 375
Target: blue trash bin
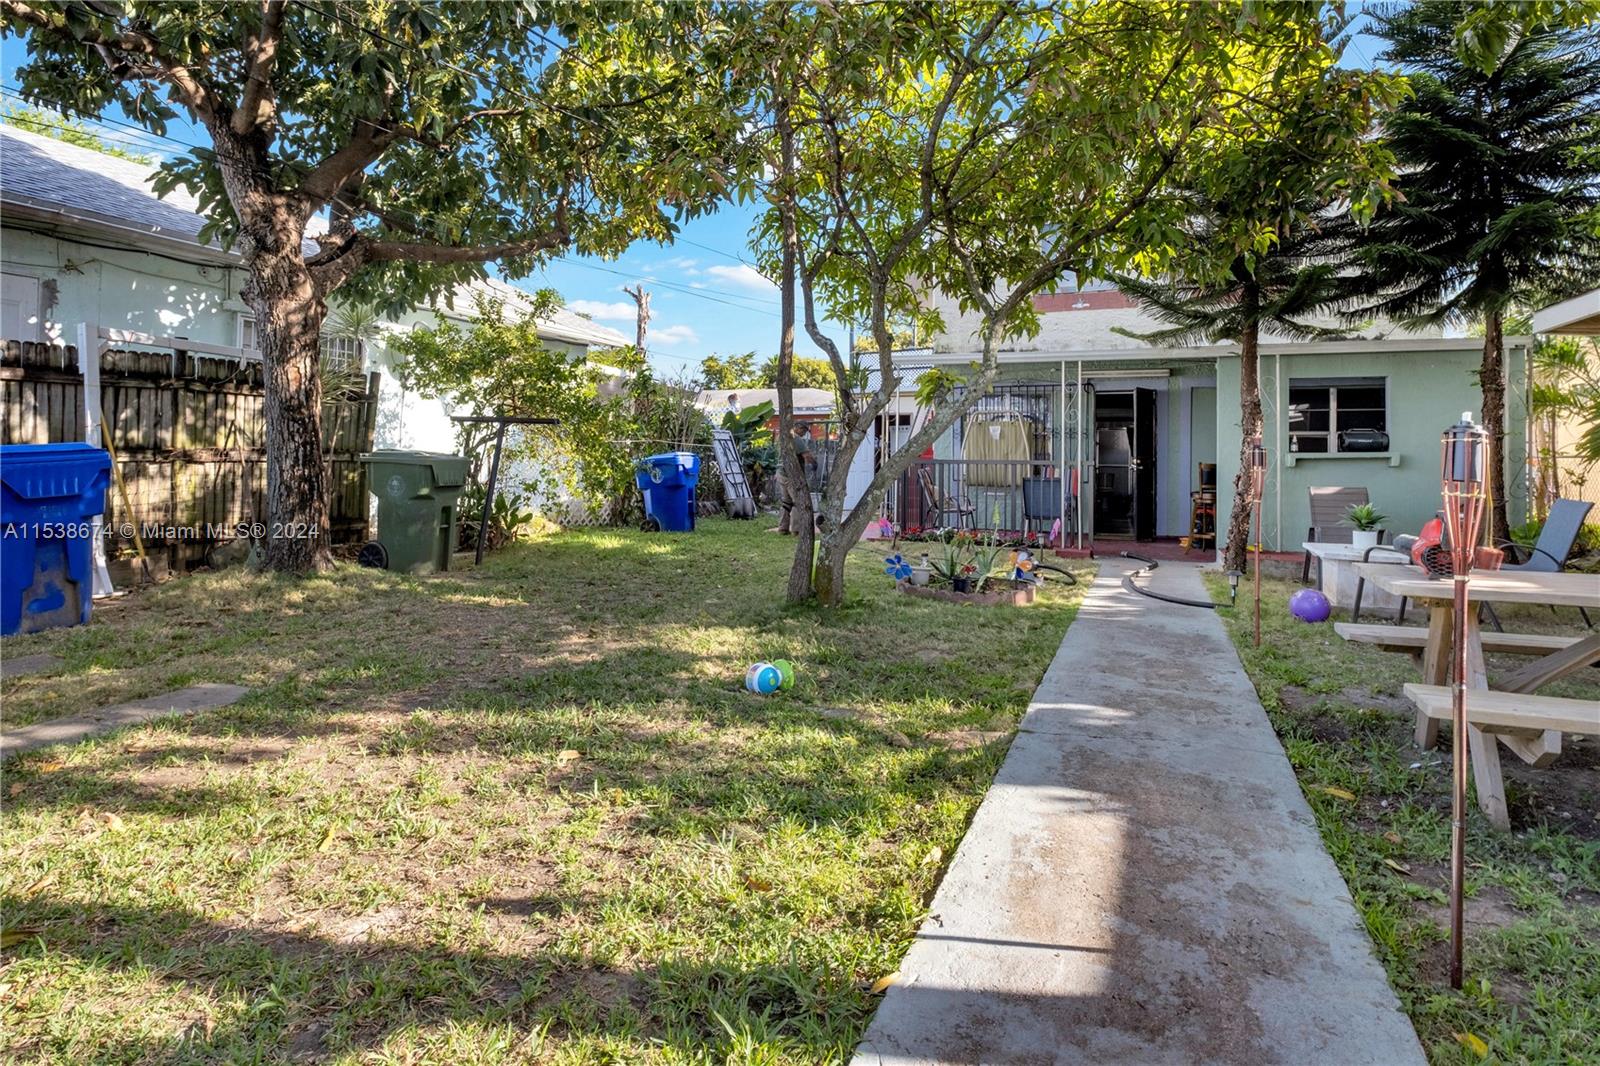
668, 483
49, 496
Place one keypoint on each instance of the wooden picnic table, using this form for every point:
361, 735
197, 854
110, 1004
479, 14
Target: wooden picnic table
1538, 747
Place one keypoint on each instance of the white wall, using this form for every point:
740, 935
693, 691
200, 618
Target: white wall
123, 290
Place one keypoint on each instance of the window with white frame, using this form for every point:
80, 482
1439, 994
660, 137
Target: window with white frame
1328, 415
338, 352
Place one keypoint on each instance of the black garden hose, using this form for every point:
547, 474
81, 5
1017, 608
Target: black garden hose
1150, 565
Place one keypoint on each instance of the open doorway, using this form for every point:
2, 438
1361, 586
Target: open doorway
1125, 464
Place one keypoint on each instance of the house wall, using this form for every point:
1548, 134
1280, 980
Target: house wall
124, 290
1427, 391
150, 293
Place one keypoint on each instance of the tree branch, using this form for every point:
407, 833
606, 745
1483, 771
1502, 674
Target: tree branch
188, 89
260, 103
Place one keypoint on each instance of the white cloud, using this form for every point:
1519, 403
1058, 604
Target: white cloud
743, 275
602, 311
672, 335
684, 264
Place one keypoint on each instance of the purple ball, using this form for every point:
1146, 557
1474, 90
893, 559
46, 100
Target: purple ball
1309, 605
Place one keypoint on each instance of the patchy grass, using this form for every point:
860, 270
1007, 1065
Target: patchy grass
524, 813
1533, 913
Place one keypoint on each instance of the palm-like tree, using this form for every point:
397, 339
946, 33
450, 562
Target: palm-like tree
1281, 292
1499, 187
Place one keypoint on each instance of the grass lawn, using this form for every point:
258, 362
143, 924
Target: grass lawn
524, 813
1533, 913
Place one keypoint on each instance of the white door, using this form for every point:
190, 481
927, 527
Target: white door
19, 308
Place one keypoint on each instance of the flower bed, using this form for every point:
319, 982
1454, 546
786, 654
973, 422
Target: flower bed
1005, 596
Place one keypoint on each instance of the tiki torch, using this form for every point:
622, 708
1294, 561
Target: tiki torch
1258, 488
1464, 466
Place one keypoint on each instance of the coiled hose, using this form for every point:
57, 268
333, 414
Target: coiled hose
1150, 565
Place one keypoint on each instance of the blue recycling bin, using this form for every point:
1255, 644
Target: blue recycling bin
49, 496
668, 483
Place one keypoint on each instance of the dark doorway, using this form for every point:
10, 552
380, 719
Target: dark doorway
1125, 464
1144, 464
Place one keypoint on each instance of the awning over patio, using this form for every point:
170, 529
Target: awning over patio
1579, 315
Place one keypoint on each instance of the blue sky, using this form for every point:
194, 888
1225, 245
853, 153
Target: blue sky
705, 296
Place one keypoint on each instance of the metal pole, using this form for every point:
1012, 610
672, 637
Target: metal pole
1458, 760
1079, 456
1061, 465
488, 496
1258, 574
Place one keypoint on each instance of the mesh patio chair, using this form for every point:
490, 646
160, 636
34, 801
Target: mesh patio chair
1549, 554
944, 504
1329, 505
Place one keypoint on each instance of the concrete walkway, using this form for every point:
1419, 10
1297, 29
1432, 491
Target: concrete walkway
1143, 882
72, 728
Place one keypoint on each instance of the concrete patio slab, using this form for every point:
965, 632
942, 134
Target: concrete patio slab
23, 665
76, 727
1144, 882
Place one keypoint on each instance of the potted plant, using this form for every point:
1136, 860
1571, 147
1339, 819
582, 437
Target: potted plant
964, 579
922, 571
1367, 523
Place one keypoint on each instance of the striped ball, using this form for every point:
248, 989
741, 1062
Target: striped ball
762, 678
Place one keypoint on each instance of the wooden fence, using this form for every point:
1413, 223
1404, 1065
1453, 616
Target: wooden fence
189, 432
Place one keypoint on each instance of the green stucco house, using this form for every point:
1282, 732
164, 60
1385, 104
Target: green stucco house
1117, 439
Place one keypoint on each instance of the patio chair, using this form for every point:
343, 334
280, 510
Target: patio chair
1041, 502
1329, 505
1549, 554
941, 505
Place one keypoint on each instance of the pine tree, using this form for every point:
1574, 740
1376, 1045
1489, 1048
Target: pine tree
1280, 291
1498, 193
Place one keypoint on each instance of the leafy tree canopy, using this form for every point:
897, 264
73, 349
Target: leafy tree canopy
499, 365
425, 129
734, 372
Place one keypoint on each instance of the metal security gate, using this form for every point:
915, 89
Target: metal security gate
1017, 472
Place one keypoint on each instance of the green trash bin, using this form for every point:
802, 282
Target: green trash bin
417, 494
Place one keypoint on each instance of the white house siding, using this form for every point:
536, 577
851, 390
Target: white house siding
80, 282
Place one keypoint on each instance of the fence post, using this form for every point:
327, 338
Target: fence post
89, 365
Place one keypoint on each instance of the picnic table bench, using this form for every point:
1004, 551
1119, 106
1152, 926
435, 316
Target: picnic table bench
1415, 639
1529, 725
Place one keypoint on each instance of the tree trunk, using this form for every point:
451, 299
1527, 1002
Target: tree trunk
1492, 380
1249, 428
800, 519
289, 312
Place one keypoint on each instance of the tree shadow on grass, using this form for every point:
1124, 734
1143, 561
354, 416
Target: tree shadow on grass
294, 997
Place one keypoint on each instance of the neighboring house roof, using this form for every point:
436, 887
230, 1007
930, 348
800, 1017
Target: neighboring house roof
806, 401
60, 183
562, 325
43, 176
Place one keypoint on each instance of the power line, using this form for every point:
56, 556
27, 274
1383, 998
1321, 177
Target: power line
684, 289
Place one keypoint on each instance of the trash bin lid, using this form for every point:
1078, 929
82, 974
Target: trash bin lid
52, 471
448, 470
682, 460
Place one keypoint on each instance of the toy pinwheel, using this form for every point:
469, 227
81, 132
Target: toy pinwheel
896, 567
1022, 563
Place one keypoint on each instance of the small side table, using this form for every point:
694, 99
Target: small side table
1337, 567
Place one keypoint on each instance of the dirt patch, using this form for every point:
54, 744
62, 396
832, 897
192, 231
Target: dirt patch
1489, 909
848, 714
962, 739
